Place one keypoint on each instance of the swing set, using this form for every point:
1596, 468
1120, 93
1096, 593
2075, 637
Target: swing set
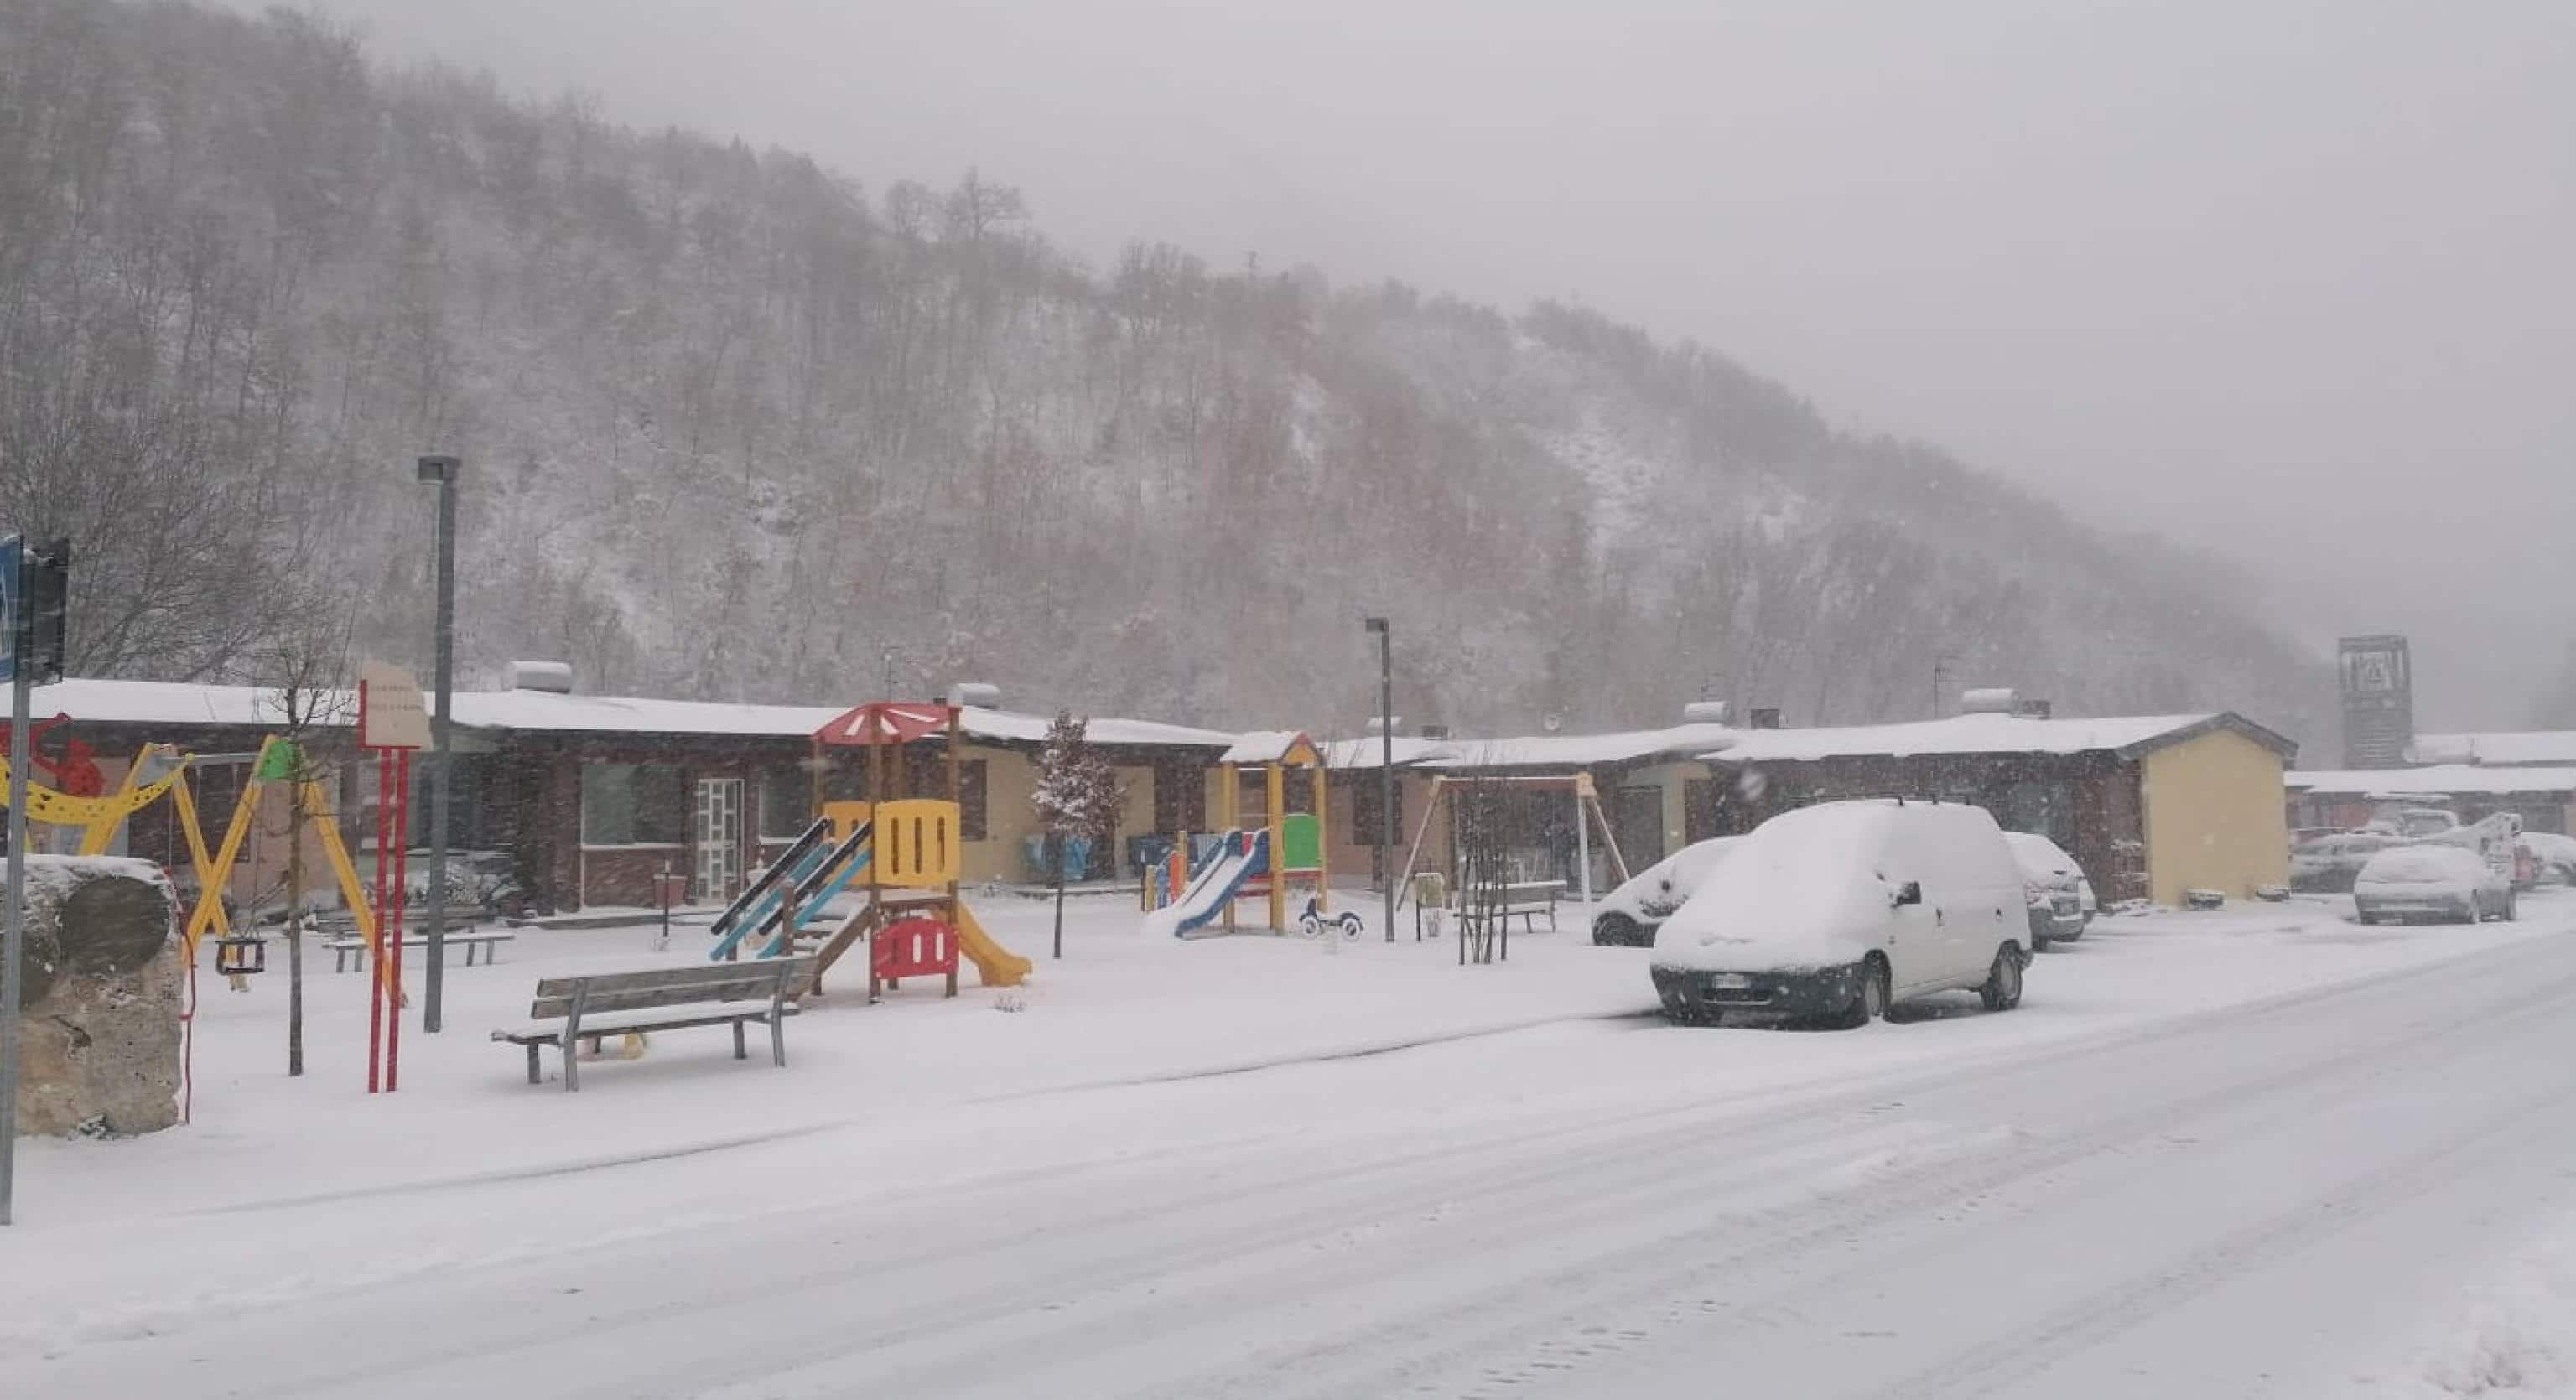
100, 817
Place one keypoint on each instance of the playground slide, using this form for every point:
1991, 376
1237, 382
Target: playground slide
1214, 886
995, 965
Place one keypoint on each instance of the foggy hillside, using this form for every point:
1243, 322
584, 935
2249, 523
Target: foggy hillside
736, 427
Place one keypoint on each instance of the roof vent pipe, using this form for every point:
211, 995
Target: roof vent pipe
980, 694
546, 677
1997, 700
1708, 712
1378, 724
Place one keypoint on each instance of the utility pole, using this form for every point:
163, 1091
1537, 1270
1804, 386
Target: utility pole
31, 621
441, 470
1386, 766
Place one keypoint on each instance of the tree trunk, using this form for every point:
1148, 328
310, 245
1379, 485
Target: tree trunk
1055, 859
295, 931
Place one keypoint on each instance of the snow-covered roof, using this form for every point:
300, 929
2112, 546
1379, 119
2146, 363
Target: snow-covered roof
1264, 746
2525, 749
1529, 750
178, 704
1997, 734
1370, 751
1580, 750
2444, 779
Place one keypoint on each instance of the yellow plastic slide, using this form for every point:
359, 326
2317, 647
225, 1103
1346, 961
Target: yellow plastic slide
995, 965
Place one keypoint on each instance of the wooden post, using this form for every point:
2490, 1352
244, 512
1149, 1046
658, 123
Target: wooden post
1275, 782
1230, 807
1323, 843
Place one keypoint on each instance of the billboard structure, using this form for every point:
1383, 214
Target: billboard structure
2378, 701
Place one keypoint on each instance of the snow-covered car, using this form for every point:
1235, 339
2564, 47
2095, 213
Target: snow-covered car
2553, 857
2431, 881
2328, 864
1631, 913
2058, 898
1839, 910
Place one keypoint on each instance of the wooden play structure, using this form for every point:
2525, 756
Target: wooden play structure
1286, 848
902, 852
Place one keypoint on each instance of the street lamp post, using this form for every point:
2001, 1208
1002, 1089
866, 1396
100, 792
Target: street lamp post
1386, 766
441, 470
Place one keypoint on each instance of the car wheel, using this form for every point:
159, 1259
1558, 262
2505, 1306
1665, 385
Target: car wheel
1616, 930
2002, 989
1869, 1002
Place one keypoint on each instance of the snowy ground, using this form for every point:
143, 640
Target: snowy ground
2264, 1151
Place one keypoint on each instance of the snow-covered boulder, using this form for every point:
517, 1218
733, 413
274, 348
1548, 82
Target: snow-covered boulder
99, 1000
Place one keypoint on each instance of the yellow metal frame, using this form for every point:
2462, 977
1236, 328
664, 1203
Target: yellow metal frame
315, 805
1299, 753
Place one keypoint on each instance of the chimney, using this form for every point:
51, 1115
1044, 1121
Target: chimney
2032, 709
1434, 731
1708, 712
545, 677
1378, 725
1766, 717
980, 694
1992, 700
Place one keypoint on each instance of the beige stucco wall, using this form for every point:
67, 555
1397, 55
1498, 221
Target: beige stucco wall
2215, 817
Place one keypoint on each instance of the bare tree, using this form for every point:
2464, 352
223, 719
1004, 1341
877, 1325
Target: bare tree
305, 670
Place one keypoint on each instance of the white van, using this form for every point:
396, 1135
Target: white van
1842, 909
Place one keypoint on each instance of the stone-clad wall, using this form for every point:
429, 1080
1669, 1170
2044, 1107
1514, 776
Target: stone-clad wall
99, 1009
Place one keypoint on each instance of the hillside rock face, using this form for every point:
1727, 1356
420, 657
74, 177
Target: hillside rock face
99, 1002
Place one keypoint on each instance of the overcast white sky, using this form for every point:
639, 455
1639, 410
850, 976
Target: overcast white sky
2293, 279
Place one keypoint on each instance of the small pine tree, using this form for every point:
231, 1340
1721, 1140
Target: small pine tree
1077, 796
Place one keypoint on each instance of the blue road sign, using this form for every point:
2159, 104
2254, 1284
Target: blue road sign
13, 553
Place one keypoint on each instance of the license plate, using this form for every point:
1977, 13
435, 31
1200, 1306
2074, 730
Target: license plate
1730, 982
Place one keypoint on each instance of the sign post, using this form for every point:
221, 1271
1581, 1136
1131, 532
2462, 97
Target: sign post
33, 592
392, 722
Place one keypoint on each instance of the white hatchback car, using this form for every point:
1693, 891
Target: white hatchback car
1841, 909
1631, 913
2061, 899
2434, 880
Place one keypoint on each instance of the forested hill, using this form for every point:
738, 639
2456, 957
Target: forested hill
737, 427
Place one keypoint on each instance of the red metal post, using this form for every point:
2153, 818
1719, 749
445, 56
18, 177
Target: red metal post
402, 904
376, 974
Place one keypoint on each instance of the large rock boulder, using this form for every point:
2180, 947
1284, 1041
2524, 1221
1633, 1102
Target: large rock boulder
99, 998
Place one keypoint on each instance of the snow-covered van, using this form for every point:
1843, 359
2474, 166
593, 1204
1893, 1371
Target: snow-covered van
1841, 909
1631, 913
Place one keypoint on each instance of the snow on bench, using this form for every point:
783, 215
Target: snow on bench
569, 1010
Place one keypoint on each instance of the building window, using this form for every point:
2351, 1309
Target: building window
786, 801
633, 804
1364, 806
1180, 798
970, 800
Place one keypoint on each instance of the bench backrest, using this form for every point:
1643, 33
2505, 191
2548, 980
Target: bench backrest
769, 978
1517, 892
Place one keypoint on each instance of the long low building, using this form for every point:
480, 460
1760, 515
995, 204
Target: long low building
2152, 806
2545, 798
595, 795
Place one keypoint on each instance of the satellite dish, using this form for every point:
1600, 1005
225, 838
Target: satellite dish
1553, 722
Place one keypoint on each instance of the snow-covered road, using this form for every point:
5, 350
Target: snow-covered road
2247, 1196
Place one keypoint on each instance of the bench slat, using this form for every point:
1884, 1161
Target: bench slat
677, 986
621, 1023
657, 977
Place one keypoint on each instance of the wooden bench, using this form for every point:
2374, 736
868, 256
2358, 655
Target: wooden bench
350, 949
663, 999
1525, 900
